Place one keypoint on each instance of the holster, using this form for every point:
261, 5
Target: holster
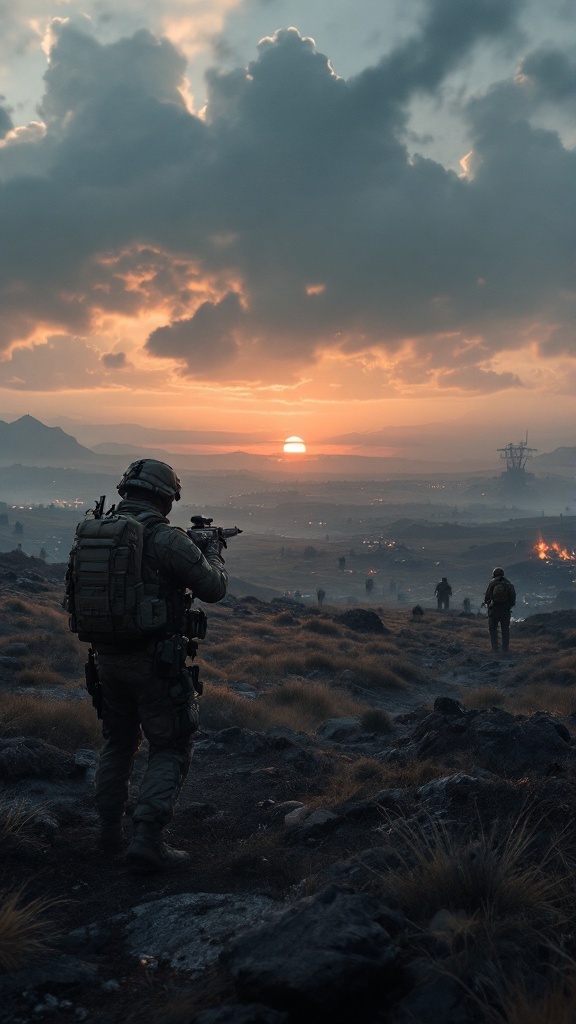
170, 657
93, 682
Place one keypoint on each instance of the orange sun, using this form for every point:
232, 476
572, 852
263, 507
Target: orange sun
294, 446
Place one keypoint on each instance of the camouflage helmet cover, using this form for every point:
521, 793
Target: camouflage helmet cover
498, 571
157, 477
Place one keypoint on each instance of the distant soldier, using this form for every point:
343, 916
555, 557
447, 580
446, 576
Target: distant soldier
500, 597
320, 594
443, 592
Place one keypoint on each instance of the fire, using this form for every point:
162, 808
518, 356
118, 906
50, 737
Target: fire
554, 551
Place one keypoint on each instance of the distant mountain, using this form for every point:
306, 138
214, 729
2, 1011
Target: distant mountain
560, 458
32, 443
131, 451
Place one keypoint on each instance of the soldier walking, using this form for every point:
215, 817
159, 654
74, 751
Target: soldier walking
500, 597
443, 592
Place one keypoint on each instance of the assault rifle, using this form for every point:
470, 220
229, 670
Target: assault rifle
98, 510
203, 533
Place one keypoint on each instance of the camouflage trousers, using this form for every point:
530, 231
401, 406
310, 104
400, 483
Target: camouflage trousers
135, 702
499, 615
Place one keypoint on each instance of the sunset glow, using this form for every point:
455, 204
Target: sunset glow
283, 288
294, 446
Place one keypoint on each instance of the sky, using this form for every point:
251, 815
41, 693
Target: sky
335, 219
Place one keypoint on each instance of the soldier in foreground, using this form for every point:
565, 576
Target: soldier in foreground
443, 592
130, 595
500, 597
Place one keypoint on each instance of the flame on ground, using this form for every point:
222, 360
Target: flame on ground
553, 552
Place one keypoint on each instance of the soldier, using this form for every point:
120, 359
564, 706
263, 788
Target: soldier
500, 597
142, 690
443, 592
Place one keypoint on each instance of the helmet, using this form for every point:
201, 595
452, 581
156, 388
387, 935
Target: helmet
498, 571
153, 476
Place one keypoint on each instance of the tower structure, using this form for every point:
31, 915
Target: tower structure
516, 457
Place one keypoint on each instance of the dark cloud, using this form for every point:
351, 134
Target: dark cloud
552, 72
206, 340
291, 218
6, 123
114, 360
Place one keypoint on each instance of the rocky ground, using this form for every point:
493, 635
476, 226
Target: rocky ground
420, 869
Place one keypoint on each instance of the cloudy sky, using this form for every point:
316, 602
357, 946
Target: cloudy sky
273, 217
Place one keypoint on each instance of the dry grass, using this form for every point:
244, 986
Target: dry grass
556, 700
482, 697
556, 1006
494, 876
18, 826
24, 930
299, 705
66, 724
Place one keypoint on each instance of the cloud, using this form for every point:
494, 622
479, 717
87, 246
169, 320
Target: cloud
115, 361
291, 220
205, 341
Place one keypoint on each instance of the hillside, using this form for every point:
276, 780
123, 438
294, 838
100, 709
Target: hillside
380, 816
32, 443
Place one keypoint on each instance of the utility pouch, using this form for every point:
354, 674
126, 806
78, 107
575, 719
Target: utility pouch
152, 613
169, 659
197, 686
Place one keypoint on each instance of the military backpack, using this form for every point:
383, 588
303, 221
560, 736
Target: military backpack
502, 592
107, 597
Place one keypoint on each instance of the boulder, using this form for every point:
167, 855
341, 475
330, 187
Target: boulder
339, 730
320, 958
362, 620
499, 741
29, 758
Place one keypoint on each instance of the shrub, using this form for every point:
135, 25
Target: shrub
496, 875
66, 724
24, 930
18, 826
377, 720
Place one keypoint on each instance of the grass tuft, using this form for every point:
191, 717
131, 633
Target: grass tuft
496, 875
24, 930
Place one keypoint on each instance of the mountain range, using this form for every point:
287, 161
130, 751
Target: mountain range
30, 442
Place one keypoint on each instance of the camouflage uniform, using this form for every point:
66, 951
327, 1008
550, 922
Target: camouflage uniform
137, 694
499, 613
443, 592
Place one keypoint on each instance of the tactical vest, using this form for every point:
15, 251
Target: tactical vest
110, 596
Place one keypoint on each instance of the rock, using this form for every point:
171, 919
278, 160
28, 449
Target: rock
320, 958
9, 663
362, 620
296, 816
320, 822
62, 970
372, 808
499, 741
235, 1013
30, 758
451, 789
448, 706
190, 929
339, 730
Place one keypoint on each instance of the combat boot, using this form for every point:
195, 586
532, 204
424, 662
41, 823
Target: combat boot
111, 835
148, 851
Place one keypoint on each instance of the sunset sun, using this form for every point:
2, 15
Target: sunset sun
294, 446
